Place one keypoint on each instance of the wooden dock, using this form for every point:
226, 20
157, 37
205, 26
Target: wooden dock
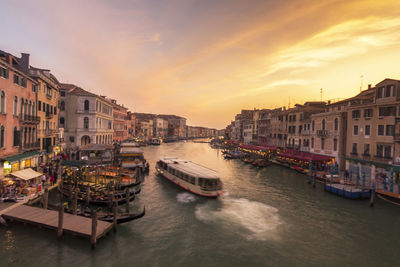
72, 224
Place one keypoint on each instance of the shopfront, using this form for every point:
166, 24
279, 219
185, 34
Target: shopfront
20, 162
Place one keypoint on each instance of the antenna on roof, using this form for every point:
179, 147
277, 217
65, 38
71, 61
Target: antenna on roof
362, 79
321, 93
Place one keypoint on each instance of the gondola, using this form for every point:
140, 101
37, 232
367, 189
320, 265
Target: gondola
389, 197
105, 216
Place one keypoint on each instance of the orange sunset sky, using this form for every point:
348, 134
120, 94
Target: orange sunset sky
206, 60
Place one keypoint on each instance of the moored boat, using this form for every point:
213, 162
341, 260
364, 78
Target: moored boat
388, 196
190, 176
132, 156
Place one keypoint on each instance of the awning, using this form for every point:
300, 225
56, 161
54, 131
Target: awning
304, 156
26, 174
21, 156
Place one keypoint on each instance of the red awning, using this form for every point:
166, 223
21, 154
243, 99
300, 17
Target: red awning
305, 156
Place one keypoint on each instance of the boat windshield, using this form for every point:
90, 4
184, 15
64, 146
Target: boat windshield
207, 184
132, 158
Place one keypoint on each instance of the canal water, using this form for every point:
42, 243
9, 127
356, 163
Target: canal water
268, 217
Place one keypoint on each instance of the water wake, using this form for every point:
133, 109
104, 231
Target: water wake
252, 219
186, 197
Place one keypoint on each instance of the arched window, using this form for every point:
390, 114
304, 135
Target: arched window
336, 124
2, 136
33, 109
86, 123
16, 137
22, 107
16, 105
29, 107
313, 125
3, 102
86, 105
323, 124
62, 122
62, 105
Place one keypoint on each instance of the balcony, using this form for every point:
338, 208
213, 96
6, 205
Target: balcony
49, 115
24, 118
49, 132
30, 146
322, 133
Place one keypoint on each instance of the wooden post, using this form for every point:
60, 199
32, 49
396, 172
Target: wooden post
75, 203
60, 221
94, 229
88, 195
45, 198
127, 195
115, 214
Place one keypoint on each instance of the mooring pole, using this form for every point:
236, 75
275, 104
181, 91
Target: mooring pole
115, 214
88, 195
60, 220
75, 203
94, 229
127, 195
45, 198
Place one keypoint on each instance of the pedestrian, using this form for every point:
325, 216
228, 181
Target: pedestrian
43, 179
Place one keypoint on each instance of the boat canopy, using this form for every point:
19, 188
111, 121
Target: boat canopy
131, 150
191, 168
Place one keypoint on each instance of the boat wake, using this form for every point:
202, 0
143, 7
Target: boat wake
186, 197
252, 219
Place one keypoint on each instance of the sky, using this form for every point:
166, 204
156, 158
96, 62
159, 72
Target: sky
205, 59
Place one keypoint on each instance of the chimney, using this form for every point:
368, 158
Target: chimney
25, 62
369, 86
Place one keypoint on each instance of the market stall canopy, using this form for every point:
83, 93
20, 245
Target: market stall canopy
26, 174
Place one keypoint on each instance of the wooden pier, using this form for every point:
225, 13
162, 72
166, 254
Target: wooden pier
71, 224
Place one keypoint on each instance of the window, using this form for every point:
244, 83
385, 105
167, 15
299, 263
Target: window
19, 80
62, 93
322, 143
335, 144
62, 105
44, 107
387, 111
354, 148
367, 130
313, 125
3, 102
356, 114
380, 92
389, 130
381, 130
4, 73
387, 152
366, 149
312, 142
86, 105
355, 130
368, 113
16, 137
323, 124
62, 122
336, 124
379, 151
2, 136
55, 110
39, 105
15, 105
34, 88
389, 91
86, 123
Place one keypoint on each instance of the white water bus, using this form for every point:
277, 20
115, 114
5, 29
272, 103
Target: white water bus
190, 176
